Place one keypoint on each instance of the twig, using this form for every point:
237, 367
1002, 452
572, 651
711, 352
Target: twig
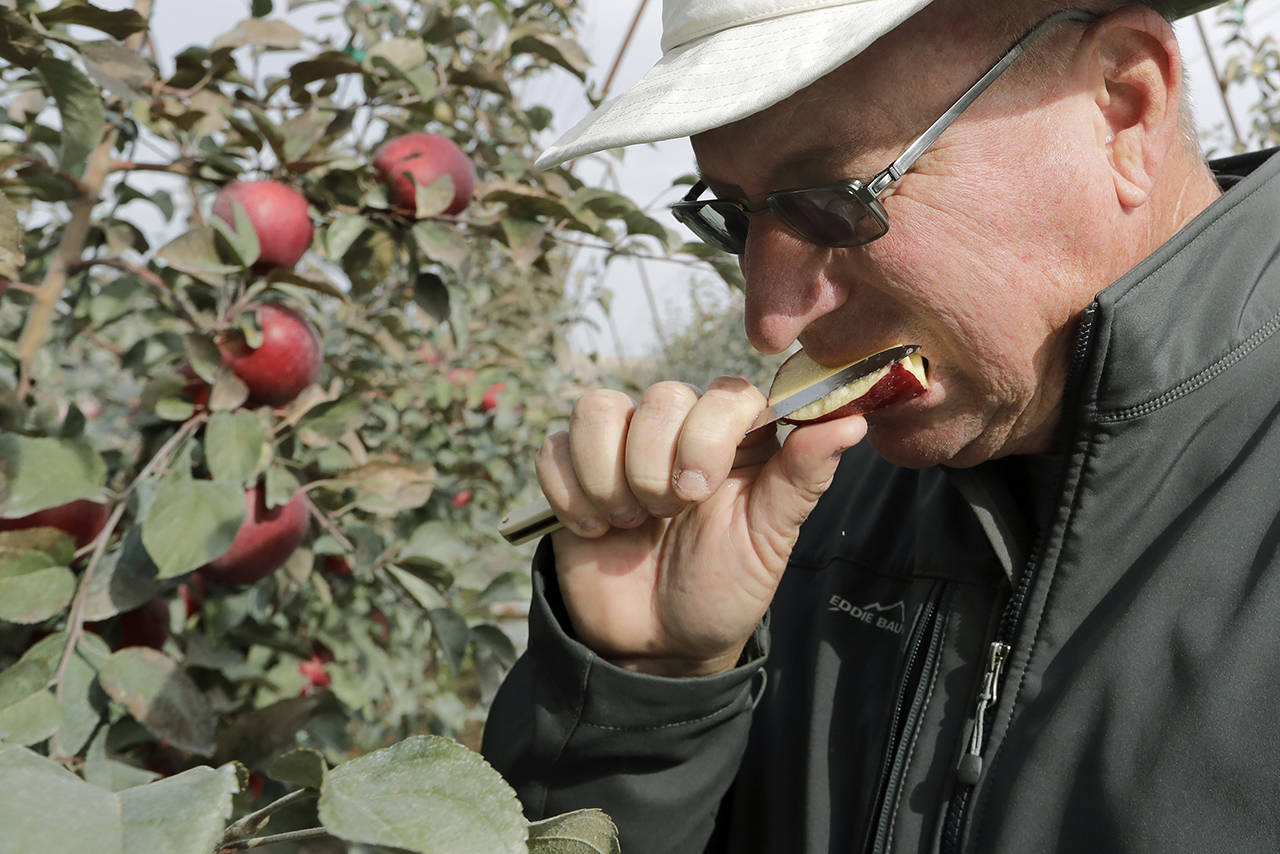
629, 253
328, 524
148, 276
255, 821
291, 836
75, 623
133, 166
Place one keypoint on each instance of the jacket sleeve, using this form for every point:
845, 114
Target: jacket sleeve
570, 731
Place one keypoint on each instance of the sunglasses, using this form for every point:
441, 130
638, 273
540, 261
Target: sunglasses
844, 213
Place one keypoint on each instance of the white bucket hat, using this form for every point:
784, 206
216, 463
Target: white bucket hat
723, 60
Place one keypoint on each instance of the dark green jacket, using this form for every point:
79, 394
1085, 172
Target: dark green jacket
1133, 582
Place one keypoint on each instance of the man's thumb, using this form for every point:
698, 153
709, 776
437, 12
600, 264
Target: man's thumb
793, 480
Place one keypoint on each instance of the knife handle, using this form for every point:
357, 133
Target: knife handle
529, 522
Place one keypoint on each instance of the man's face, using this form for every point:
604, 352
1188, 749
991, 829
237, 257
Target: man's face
998, 237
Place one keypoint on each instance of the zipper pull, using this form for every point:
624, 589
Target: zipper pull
970, 767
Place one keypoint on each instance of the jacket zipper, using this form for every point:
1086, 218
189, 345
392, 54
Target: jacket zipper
970, 768
922, 660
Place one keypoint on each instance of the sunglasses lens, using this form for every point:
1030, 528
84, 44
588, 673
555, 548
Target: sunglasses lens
829, 216
718, 223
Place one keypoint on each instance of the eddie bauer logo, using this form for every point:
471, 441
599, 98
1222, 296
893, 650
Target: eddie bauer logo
889, 618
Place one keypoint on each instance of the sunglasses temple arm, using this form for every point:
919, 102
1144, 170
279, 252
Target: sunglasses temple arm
897, 168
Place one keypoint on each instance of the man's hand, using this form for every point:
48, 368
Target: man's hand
675, 536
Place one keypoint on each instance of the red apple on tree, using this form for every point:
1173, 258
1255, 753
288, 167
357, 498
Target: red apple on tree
417, 160
900, 380
287, 361
147, 625
489, 401
82, 519
278, 214
264, 542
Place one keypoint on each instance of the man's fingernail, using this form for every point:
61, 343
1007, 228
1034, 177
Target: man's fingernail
692, 485
590, 526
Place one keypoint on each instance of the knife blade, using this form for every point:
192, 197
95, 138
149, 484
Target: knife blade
843, 377
524, 524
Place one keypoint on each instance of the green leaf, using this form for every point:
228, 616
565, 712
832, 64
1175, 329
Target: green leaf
160, 697
228, 391
203, 355
441, 242
507, 587
432, 296
302, 766
241, 238
524, 239
182, 814
199, 252
559, 50
117, 69
426, 794
312, 281
322, 66
191, 522
422, 592
31, 787
29, 713
343, 232
20, 43
30, 720
274, 33
111, 774
126, 578
233, 444
83, 114
117, 24
580, 832
34, 597
282, 485
44, 807
452, 634
387, 488
37, 473
83, 702
433, 198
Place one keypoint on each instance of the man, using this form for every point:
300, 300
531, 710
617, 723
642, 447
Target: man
1036, 609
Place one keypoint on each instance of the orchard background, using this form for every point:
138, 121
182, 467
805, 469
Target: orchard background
280, 331
253, 468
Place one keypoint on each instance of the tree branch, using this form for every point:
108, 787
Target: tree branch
291, 836
255, 821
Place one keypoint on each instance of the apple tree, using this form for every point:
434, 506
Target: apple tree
281, 326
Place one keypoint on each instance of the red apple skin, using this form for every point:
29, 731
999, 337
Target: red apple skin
147, 625
288, 360
278, 214
82, 519
196, 389
425, 156
489, 401
896, 386
264, 542
193, 591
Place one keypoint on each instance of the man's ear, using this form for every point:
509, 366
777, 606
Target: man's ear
1135, 75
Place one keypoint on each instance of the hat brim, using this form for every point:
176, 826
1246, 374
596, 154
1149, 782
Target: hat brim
720, 78
726, 76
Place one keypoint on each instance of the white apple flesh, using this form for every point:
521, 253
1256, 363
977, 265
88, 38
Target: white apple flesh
901, 380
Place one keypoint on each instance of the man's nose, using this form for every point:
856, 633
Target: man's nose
789, 284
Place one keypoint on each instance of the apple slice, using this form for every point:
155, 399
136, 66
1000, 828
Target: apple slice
897, 381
